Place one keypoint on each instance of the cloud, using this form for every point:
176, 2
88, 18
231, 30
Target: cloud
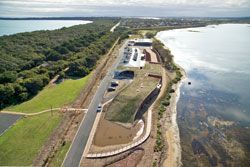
14, 8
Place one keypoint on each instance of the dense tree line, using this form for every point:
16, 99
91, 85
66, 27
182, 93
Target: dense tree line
150, 34
26, 50
30, 60
165, 54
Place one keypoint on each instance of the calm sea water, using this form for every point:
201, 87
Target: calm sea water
217, 62
8, 27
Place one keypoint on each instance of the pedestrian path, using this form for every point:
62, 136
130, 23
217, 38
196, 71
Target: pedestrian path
44, 111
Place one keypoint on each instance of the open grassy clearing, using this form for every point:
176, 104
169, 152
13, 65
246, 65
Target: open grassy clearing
59, 156
144, 32
153, 69
125, 105
134, 36
148, 68
52, 96
22, 142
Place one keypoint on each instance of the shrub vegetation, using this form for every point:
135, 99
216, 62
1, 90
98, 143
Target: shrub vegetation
30, 60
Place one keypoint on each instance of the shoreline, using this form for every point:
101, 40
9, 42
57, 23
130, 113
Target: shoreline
172, 134
185, 120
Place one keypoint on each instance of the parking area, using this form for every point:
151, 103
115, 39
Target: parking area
7, 120
135, 58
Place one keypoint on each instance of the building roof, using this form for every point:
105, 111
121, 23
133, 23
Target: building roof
143, 40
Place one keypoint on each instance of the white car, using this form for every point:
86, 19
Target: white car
99, 108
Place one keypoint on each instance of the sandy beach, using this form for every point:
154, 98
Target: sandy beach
172, 134
172, 130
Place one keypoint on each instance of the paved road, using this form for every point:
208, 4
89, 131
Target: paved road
76, 150
113, 28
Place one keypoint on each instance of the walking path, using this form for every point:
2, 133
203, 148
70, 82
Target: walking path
44, 111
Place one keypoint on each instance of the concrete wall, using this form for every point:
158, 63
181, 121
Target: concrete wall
147, 103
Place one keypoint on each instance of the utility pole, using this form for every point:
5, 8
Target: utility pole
51, 110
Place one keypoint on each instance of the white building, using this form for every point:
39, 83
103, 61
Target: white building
141, 42
137, 59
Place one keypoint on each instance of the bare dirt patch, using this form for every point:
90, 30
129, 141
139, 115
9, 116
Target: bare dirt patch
130, 161
110, 133
153, 56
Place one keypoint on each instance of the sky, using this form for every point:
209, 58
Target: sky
154, 8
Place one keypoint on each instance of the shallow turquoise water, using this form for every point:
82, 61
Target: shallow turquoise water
8, 27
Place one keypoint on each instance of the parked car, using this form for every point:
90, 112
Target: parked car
110, 89
114, 83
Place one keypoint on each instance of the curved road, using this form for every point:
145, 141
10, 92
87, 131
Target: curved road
77, 147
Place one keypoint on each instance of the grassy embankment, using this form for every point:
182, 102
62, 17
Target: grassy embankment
124, 106
52, 96
21, 143
60, 154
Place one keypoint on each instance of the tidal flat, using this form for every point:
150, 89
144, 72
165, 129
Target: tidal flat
213, 110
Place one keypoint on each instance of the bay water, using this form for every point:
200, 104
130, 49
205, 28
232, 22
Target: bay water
8, 27
217, 62
213, 112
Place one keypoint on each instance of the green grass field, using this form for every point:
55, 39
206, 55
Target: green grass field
124, 106
54, 96
22, 142
57, 160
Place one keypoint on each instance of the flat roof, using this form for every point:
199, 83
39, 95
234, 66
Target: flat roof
143, 40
